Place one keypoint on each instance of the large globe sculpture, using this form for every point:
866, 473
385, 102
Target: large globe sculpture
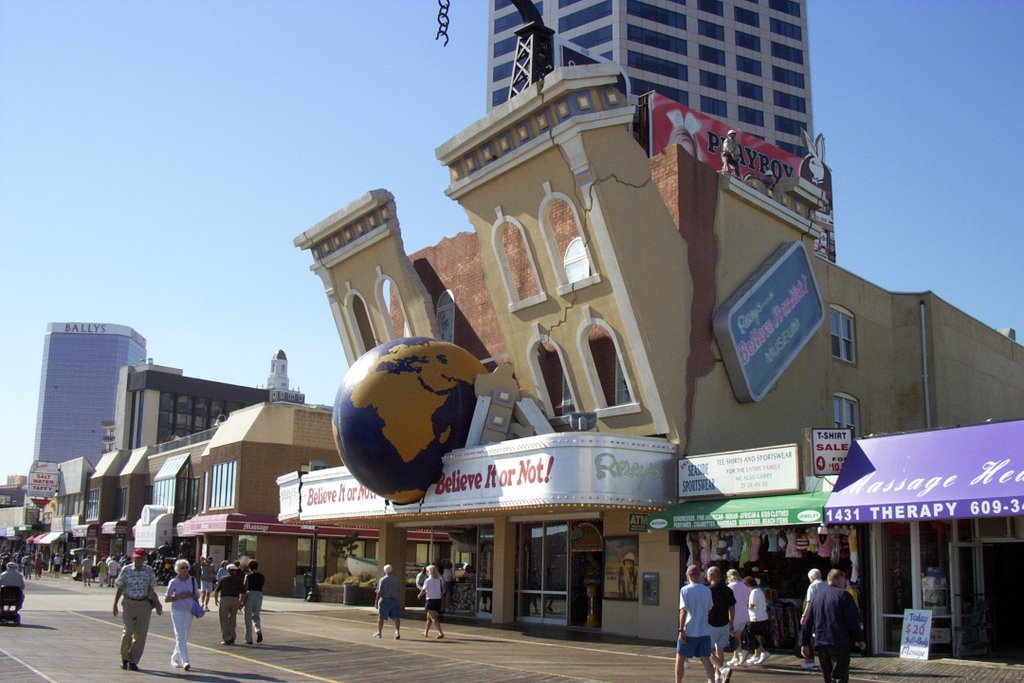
400, 407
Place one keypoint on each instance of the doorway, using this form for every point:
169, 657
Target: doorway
1002, 569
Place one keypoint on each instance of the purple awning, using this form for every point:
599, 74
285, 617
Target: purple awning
940, 474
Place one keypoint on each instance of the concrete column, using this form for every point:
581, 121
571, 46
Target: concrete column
504, 596
391, 550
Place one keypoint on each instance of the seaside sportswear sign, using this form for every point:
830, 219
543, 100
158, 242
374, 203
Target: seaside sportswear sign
958, 473
767, 321
738, 473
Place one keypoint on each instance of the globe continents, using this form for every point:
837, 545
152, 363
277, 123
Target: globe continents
400, 407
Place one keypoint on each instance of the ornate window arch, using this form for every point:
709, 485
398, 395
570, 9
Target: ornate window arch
567, 246
516, 262
357, 315
445, 312
601, 352
547, 364
391, 307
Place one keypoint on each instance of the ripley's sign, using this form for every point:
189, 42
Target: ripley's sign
763, 326
547, 470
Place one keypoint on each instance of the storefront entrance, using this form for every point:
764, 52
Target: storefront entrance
559, 573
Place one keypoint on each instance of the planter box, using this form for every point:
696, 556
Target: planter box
330, 592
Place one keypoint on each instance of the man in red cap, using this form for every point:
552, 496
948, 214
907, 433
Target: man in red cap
134, 582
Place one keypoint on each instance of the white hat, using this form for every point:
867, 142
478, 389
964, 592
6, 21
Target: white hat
232, 567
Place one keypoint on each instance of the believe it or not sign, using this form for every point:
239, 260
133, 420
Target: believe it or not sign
543, 470
917, 632
764, 324
829, 448
758, 471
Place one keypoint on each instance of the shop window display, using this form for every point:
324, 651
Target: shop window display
778, 559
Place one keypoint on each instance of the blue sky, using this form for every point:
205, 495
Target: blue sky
158, 158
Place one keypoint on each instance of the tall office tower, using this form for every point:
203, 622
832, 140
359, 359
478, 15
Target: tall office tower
78, 388
742, 61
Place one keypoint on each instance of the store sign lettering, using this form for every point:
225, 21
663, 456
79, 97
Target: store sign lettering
85, 328
765, 323
607, 465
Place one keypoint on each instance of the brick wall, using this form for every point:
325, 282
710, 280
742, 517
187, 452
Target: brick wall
454, 264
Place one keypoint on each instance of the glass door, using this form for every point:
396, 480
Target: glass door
966, 571
543, 572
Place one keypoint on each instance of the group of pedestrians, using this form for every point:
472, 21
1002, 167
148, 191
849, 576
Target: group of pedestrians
714, 614
189, 597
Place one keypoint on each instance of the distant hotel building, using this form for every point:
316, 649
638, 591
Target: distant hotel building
743, 62
78, 387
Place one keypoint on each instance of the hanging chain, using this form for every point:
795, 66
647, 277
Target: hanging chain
442, 21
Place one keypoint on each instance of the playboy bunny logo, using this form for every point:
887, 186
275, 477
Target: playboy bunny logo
814, 168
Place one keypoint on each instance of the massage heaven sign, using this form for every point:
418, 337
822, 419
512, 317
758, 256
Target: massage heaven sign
763, 326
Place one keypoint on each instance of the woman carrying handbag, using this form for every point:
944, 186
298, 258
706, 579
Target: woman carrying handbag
183, 594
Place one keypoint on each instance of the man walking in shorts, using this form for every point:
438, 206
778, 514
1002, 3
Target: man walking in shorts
720, 621
694, 633
388, 606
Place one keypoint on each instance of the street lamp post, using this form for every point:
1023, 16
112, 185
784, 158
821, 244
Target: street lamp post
314, 591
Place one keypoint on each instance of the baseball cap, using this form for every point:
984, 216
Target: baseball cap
232, 567
138, 552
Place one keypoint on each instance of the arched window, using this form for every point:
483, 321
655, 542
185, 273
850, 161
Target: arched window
446, 316
556, 382
391, 308
608, 367
519, 262
576, 262
363, 327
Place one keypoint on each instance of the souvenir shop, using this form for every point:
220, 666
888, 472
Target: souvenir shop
777, 537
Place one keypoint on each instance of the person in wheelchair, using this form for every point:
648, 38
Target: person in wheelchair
12, 577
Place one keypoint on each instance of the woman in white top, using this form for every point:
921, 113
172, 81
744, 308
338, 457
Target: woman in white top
741, 592
433, 590
757, 629
182, 590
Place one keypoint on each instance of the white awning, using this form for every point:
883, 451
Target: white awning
171, 467
49, 538
155, 533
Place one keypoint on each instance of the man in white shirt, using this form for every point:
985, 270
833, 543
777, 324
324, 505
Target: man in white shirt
694, 632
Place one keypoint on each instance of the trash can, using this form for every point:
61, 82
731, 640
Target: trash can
349, 594
299, 588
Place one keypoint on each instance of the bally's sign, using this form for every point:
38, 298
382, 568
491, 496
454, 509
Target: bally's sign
763, 326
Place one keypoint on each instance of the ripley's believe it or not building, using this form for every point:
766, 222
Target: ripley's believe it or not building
665, 343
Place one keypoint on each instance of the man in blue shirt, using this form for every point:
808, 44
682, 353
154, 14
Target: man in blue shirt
834, 622
694, 632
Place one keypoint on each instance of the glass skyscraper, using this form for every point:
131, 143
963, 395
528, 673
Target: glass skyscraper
742, 61
78, 387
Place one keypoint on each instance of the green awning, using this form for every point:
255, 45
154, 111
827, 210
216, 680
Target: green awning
737, 513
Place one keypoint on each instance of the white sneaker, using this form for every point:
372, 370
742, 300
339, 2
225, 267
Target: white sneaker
754, 661
686, 664
726, 674
764, 657
808, 666
743, 658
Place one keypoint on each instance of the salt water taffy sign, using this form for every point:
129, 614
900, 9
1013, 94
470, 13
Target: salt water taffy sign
763, 326
940, 474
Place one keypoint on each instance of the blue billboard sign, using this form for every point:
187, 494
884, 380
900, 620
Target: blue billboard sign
763, 326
